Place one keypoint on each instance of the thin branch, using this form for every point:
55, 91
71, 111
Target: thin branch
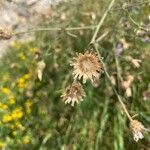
138, 25
93, 42
115, 91
102, 126
101, 22
129, 6
102, 36
55, 29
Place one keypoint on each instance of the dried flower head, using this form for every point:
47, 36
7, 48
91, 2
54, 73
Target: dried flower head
5, 34
74, 93
137, 129
87, 66
40, 68
127, 85
146, 95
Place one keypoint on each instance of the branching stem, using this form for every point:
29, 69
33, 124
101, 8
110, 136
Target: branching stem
93, 42
55, 29
101, 21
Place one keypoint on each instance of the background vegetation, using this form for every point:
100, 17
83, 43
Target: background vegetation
32, 114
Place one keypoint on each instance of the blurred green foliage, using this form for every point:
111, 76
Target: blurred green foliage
42, 120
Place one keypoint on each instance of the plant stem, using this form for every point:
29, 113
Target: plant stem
93, 42
102, 36
55, 29
135, 23
115, 91
101, 22
130, 5
103, 122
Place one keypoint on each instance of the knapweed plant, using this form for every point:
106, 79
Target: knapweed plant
84, 84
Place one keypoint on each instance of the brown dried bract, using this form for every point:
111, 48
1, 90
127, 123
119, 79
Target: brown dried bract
87, 66
74, 93
137, 129
5, 34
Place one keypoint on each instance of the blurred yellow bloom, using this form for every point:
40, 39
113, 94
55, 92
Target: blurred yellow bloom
14, 133
12, 126
7, 118
11, 101
3, 106
27, 76
17, 113
28, 105
14, 44
19, 125
22, 56
2, 144
33, 50
21, 83
5, 90
26, 139
5, 77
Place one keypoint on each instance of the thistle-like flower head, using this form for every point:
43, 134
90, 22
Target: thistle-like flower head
5, 34
137, 129
74, 93
87, 66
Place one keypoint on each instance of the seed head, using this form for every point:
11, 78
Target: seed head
137, 129
73, 94
87, 66
5, 34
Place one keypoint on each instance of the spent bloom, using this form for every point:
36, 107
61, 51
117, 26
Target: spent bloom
87, 66
137, 129
40, 68
74, 93
5, 34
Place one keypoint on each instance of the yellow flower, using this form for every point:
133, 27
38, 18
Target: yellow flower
11, 101
19, 125
3, 106
33, 50
14, 44
5, 91
7, 118
14, 133
2, 144
5, 77
12, 126
27, 76
21, 83
17, 113
28, 105
22, 56
26, 139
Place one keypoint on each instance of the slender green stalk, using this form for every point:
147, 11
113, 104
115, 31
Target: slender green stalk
102, 36
115, 91
103, 122
130, 5
93, 42
135, 23
55, 29
101, 21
